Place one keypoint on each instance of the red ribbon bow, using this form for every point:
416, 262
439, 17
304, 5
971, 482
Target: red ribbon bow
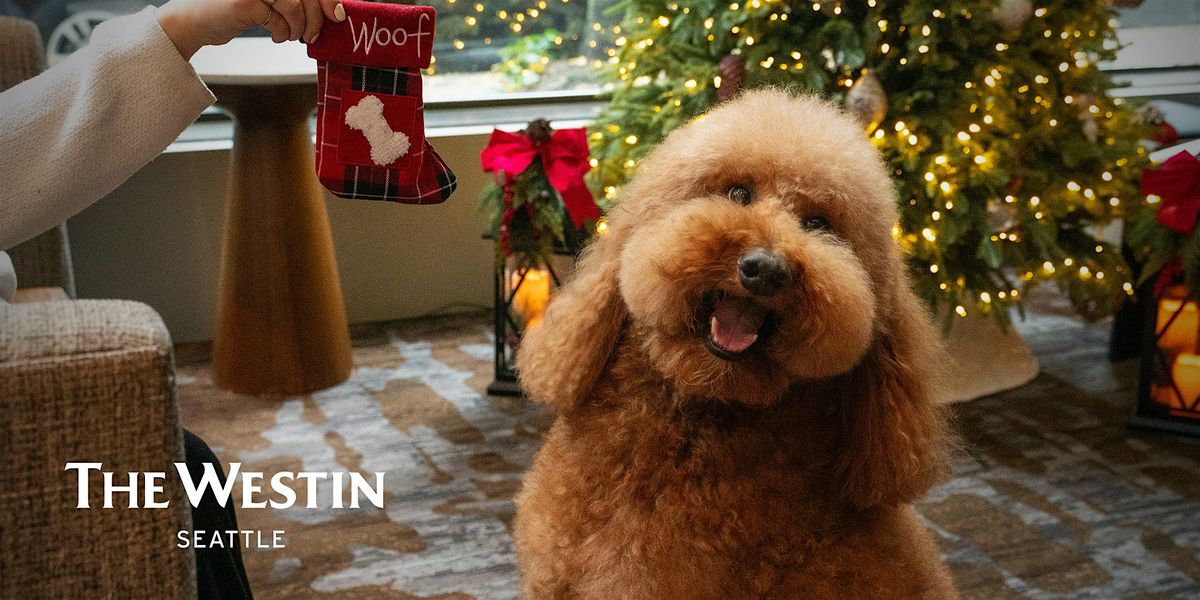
1170, 273
1177, 182
564, 157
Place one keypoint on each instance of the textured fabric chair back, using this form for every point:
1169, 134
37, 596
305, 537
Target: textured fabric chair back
44, 261
21, 53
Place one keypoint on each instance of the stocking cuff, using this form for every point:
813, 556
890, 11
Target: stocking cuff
376, 34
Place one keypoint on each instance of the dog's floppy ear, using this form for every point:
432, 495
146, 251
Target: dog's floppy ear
896, 443
561, 359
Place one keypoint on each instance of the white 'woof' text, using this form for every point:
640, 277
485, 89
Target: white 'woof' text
382, 36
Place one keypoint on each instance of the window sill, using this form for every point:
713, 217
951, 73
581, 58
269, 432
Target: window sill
456, 117
1161, 63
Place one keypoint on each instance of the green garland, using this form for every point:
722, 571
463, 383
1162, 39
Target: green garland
537, 224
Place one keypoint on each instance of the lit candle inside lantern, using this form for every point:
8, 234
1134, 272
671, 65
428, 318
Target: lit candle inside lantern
1181, 335
531, 297
1186, 373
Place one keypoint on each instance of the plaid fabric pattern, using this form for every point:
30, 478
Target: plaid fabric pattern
420, 177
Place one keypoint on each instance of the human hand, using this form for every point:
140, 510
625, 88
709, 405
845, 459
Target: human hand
192, 24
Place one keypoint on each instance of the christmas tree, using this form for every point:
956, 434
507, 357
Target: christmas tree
1009, 154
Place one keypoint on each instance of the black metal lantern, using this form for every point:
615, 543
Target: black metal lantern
519, 300
1169, 385
521, 294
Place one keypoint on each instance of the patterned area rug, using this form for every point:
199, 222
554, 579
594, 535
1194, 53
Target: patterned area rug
1054, 498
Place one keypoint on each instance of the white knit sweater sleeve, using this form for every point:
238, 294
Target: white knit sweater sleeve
71, 135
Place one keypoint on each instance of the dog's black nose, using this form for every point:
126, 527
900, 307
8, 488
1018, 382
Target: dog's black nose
763, 273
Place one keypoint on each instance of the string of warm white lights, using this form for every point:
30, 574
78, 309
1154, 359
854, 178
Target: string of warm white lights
1009, 155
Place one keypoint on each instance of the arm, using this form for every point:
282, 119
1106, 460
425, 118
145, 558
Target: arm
71, 135
74, 133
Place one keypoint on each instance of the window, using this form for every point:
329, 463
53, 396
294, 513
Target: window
1160, 59
490, 48
1160, 13
515, 52
482, 49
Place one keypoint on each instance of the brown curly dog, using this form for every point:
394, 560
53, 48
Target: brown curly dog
742, 379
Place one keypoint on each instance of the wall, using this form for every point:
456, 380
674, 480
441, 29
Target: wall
157, 239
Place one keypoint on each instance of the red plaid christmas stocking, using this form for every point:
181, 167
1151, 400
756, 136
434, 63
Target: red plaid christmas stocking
370, 116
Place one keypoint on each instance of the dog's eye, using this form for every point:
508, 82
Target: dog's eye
816, 223
740, 194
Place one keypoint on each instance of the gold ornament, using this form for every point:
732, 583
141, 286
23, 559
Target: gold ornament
1011, 15
1089, 127
1149, 114
1002, 216
1088, 123
867, 101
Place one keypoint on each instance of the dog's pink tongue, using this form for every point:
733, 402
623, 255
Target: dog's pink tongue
735, 323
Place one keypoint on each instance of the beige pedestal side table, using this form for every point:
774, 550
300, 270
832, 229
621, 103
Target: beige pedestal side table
281, 320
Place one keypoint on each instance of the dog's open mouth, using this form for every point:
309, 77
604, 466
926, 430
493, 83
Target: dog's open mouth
735, 325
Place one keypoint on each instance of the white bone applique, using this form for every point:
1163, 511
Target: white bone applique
367, 117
